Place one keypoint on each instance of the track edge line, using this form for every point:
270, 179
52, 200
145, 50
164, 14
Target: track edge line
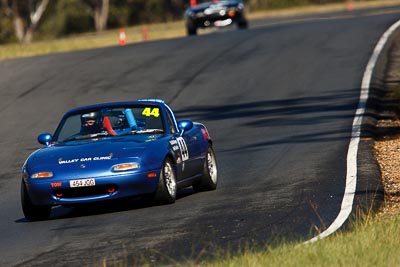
351, 174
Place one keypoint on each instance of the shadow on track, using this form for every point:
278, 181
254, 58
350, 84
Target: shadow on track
322, 105
135, 203
317, 111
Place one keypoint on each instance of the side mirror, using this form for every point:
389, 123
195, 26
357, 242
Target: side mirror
45, 138
185, 125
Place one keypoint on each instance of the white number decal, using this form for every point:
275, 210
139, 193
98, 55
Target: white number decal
183, 148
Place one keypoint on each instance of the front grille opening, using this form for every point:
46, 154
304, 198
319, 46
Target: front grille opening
86, 191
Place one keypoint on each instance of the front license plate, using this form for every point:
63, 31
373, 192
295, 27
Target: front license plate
82, 182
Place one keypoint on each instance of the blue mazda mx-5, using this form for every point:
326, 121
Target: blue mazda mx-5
117, 150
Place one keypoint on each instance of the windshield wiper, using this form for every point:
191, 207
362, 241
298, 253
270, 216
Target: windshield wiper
86, 136
150, 131
146, 131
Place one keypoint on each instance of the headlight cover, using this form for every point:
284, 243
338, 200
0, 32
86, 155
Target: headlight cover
39, 175
126, 167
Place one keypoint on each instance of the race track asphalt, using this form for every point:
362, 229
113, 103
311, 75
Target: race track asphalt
278, 100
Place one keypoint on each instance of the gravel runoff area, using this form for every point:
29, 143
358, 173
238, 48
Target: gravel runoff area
387, 144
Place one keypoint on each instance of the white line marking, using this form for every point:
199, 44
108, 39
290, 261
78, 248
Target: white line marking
351, 176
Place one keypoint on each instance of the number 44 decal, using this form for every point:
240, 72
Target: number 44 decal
183, 148
151, 112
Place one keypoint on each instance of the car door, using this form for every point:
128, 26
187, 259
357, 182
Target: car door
192, 155
189, 147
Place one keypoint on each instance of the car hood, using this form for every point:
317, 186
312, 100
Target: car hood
95, 151
220, 4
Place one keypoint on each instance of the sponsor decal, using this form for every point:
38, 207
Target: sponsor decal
86, 159
152, 138
68, 161
180, 144
205, 133
173, 142
179, 160
56, 184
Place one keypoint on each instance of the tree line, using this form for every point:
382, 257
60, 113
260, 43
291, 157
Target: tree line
26, 20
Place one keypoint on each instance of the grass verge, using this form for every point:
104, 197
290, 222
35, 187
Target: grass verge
371, 243
93, 40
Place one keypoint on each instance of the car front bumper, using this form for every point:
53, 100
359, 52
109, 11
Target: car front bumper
215, 20
59, 192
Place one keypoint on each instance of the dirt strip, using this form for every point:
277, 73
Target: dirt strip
387, 145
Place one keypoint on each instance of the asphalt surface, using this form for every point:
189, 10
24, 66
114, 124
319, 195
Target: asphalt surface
278, 100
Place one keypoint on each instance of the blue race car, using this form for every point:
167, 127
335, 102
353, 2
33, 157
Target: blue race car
117, 150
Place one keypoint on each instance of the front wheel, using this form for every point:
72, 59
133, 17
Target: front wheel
166, 190
209, 180
243, 24
33, 212
191, 29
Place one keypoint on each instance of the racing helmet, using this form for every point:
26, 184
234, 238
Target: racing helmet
91, 122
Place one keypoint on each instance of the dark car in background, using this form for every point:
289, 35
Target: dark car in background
204, 14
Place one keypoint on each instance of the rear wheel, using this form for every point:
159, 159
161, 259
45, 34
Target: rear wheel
33, 212
209, 180
166, 190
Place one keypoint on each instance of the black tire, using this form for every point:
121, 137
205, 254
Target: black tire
166, 190
243, 24
33, 212
191, 30
209, 180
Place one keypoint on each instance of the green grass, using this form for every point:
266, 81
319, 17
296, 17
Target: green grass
93, 40
372, 243
369, 242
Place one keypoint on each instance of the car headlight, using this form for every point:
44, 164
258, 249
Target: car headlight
42, 175
190, 14
126, 167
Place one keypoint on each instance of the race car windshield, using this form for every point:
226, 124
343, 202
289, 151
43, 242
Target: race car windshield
108, 122
203, 1
199, 2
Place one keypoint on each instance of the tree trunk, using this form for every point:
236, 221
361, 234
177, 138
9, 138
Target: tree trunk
18, 22
101, 10
23, 33
35, 16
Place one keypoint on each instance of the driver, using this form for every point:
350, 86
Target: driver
90, 123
